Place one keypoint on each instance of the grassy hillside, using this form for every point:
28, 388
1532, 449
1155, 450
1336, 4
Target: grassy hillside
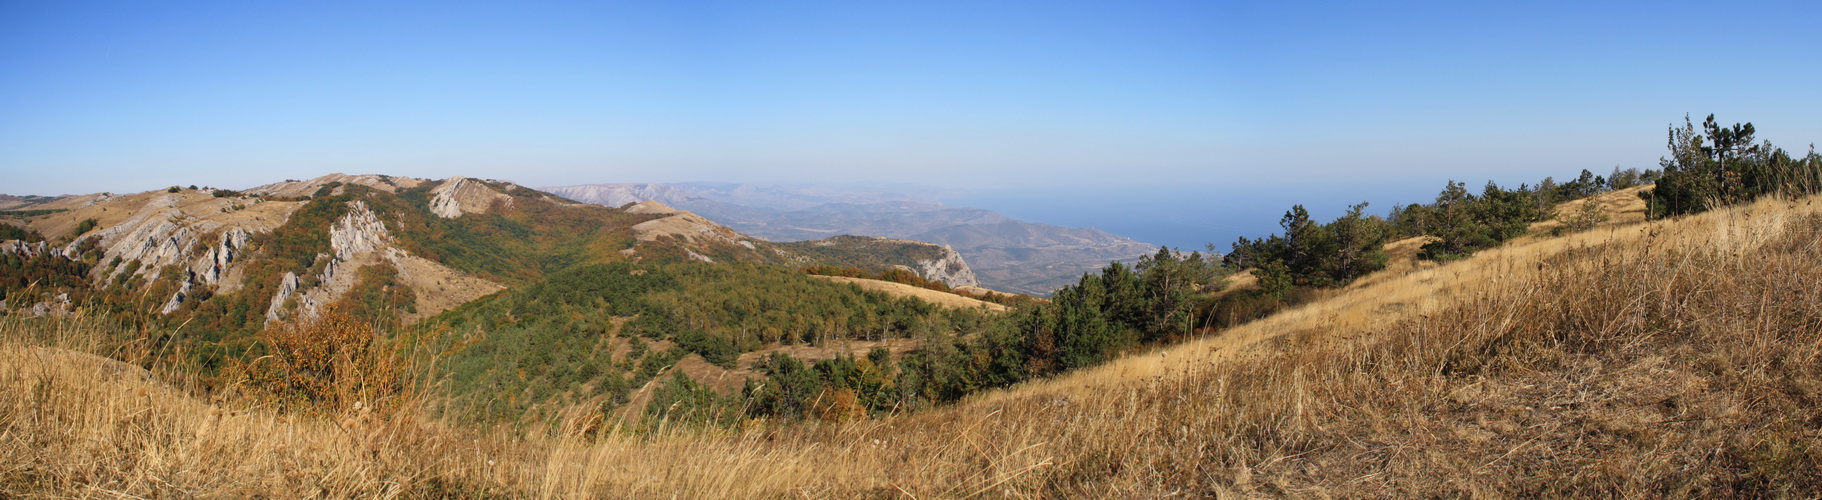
534, 237
1670, 358
864, 252
944, 299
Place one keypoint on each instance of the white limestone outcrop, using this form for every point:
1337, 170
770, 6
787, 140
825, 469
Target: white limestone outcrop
461, 195
356, 240
948, 268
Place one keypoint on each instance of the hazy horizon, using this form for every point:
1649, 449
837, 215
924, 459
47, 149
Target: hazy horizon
1340, 103
1186, 217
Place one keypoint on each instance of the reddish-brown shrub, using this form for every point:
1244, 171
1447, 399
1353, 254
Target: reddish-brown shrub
332, 363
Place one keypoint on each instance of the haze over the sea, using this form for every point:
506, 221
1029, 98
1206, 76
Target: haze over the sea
1186, 217
1075, 113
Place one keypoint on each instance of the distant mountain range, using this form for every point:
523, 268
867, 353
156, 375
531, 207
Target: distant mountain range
1007, 254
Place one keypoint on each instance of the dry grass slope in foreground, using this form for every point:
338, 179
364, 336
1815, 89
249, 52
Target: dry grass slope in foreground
1675, 359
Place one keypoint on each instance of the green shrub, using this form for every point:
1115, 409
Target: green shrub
1722, 166
84, 227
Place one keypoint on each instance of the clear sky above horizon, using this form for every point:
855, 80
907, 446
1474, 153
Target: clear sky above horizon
131, 96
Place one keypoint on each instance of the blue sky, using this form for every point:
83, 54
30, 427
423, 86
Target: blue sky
131, 96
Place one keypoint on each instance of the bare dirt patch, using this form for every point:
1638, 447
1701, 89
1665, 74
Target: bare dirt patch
438, 287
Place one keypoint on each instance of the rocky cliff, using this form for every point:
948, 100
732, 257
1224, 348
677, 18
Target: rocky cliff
356, 240
460, 195
948, 268
199, 234
203, 238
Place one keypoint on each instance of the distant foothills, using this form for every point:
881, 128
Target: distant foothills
1008, 254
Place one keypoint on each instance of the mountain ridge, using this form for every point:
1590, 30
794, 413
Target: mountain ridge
191, 245
1006, 253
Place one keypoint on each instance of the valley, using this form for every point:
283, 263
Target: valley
1009, 255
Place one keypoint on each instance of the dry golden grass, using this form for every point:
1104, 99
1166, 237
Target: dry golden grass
293, 189
200, 209
1664, 359
944, 299
1620, 207
747, 367
438, 287
75, 428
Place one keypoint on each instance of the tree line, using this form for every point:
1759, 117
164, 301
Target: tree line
1723, 165
1166, 296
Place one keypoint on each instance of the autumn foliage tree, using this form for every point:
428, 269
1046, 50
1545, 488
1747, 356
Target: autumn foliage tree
330, 363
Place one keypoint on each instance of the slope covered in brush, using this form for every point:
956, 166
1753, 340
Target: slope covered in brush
595, 333
392, 250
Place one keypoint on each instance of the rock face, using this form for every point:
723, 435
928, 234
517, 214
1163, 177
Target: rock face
153, 236
206, 238
358, 232
949, 269
176, 300
147, 232
21, 248
194, 232
287, 287
356, 240
360, 239
461, 195
210, 267
61, 306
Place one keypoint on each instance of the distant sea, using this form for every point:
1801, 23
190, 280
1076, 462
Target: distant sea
1186, 217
